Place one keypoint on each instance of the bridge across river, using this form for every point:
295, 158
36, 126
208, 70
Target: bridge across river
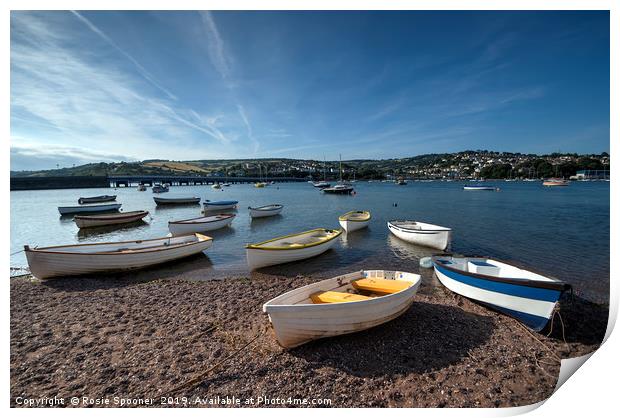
127, 181
83, 182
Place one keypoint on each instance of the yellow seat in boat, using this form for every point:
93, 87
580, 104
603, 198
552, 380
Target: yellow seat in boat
336, 297
381, 286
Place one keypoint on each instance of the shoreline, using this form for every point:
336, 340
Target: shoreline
118, 336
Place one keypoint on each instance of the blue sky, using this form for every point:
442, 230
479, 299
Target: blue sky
110, 86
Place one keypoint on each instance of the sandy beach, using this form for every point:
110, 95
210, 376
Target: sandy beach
128, 337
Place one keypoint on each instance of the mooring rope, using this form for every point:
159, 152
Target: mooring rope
201, 377
16, 252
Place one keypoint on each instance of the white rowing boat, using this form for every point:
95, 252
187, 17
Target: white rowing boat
341, 305
181, 200
481, 188
201, 224
420, 233
69, 260
263, 211
96, 199
354, 220
88, 221
66, 210
292, 247
529, 297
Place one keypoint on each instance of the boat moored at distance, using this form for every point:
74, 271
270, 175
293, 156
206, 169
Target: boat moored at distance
71, 260
526, 296
141, 188
179, 200
478, 187
216, 186
338, 189
354, 220
288, 248
110, 207
260, 184
96, 199
158, 188
201, 224
420, 233
341, 305
555, 182
219, 204
264, 211
89, 221
321, 184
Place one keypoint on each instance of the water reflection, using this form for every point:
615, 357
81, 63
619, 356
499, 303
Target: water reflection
86, 233
258, 223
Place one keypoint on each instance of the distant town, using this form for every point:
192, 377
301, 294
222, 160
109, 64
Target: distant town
480, 164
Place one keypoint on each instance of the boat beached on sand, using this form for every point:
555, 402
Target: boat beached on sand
420, 233
201, 224
292, 247
96, 199
354, 220
110, 207
529, 297
264, 211
341, 305
69, 260
181, 200
89, 221
219, 204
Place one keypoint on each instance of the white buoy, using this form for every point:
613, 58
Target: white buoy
426, 262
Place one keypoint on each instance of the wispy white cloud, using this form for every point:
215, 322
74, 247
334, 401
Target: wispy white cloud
63, 95
248, 126
217, 52
138, 66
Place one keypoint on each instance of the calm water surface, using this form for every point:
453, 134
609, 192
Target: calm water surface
561, 231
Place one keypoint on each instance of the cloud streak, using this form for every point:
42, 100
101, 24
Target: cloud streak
113, 44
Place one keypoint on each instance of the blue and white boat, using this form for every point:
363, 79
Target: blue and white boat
526, 296
220, 204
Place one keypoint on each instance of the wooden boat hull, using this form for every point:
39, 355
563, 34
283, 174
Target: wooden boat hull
96, 199
554, 184
295, 324
123, 218
67, 210
532, 305
52, 262
176, 201
271, 210
438, 239
185, 227
219, 206
263, 257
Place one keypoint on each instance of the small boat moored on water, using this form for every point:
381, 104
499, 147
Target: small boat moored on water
141, 188
96, 199
420, 233
219, 204
70, 260
354, 220
201, 224
66, 210
292, 247
338, 189
158, 188
526, 296
216, 186
340, 305
477, 187
555, 182
89, 221
264, 211
181, 200
321, 184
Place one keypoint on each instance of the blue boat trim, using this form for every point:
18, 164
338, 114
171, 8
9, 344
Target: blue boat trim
524, 291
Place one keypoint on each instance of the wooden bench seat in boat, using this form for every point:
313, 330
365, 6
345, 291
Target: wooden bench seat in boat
336, 297
380, 286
